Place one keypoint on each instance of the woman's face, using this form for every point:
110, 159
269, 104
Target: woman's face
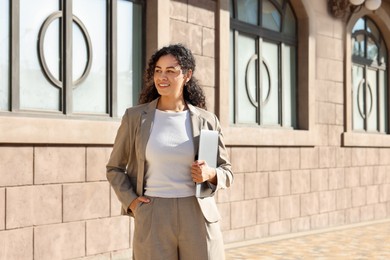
169, 78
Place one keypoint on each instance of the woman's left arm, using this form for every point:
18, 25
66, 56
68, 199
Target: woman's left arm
220, 177
224, 174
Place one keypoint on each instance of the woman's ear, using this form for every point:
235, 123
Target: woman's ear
188, 75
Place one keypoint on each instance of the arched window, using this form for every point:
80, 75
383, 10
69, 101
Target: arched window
369, 78
263, 62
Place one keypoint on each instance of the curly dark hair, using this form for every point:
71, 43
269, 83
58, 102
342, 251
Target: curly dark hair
192, 92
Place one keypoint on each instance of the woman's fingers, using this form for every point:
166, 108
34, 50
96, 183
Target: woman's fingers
143, 199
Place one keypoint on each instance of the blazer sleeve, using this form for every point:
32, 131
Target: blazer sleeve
224, 169
224, 176
117, 165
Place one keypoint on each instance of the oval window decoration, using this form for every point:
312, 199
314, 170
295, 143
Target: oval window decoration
42, 33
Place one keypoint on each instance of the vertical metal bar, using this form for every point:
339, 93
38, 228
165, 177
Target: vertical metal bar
235, 66
259, 111
387, 106
113, 59
67, 53
282, 54
259, 86
297, 69
366, 78
378, 101
365, 98
379, 98
15, 55
235, 87
61, 58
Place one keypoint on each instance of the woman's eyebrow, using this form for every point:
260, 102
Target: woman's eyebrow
169, 67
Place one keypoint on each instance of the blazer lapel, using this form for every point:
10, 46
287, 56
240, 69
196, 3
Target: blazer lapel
146, 126
147, 117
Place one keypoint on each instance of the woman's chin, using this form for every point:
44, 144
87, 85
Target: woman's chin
162, 91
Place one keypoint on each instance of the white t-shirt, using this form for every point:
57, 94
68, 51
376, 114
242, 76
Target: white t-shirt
169, 155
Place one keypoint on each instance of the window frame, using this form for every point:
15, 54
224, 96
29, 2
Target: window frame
369, 65
350, 137
261, 35
307, 134
66, 110
21, 127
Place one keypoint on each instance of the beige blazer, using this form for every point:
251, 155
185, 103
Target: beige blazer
126, 166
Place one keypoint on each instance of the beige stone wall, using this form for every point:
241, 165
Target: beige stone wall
193, 24
287, 190
55, 202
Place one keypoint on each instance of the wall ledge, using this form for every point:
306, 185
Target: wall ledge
353, 139
28, 130
252, 136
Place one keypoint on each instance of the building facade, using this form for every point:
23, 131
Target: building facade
301, 88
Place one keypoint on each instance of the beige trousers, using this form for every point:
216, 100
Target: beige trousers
173, 229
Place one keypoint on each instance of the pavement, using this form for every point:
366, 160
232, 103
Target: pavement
362, 241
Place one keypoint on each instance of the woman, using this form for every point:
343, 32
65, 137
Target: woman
153, 169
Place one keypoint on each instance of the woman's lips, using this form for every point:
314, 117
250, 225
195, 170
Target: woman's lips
164, 85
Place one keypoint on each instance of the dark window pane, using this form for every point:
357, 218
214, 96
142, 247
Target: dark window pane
371, 27
248, 11
280, 2
271, 18
289, 26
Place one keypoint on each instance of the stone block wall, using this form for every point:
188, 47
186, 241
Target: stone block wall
193, 24
55, 203
285, 190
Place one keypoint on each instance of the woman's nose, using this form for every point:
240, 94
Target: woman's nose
162, 74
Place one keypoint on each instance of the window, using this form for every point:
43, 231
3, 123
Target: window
263, 58
369, 78
72, 57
